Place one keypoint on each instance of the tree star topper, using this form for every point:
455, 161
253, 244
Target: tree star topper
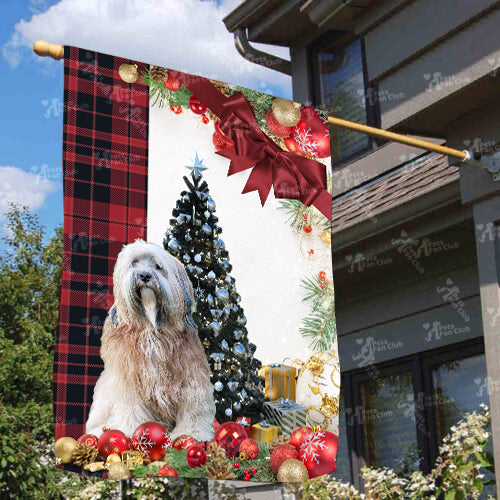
197, 167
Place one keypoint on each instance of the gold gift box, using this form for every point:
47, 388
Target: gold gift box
264, 434
280, 381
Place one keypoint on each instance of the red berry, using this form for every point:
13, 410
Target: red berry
307, 228
176, 109
327, 282
253, 471
322, 285
246, 478
304, 217
322, 275
205, 119
237, 465
245, 472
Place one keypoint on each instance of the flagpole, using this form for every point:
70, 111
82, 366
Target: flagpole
45, 49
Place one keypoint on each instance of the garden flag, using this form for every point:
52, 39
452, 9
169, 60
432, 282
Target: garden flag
196, 328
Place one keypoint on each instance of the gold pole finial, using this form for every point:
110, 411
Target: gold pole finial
43, 48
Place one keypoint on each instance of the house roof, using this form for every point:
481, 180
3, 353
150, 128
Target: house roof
400, 186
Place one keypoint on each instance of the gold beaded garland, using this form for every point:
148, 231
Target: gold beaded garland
286, 112
292, 471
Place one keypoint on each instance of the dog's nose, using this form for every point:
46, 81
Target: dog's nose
145, 276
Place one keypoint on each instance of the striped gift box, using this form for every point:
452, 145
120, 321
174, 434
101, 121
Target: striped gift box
286, 414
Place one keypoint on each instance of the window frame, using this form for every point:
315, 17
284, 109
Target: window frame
338, 39
420, 364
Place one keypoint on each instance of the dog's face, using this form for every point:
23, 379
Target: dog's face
151, 284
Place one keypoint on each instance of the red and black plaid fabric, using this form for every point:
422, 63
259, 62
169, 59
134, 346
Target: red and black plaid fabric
105, 165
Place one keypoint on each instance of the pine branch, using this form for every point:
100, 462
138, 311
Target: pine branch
295, 210
320, 327
161, 96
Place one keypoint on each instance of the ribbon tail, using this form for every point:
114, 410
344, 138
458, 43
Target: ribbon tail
261, 180
323, 203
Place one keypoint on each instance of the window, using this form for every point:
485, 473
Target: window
339, 85
397, 413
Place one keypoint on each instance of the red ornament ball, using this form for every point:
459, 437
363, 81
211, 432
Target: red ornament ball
311, 134
171, 83
275, 126
176, 109
307, 228
319, 453
237, 465
152, 439
281, 453
112, 441
168, 471
196, 456
221, 141
298, 436
253, 471
250, 447
89, 440
230, 436
184, 442
292, 146
196, 106
205, 119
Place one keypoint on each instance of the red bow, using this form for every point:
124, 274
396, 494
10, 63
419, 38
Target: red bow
291, 176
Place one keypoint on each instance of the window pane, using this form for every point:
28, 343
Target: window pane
342, 90
459, 387
343, 472
389, 427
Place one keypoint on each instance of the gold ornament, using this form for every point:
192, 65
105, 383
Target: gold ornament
64, 449
114, 458
329, 406
132, 458
286, 112
326, 237
223, 88
206, 343
95, 466
220, 469
84, 454
278, 441
158, 74
243, 456
118, 470
128, 72
158, 463
292, 471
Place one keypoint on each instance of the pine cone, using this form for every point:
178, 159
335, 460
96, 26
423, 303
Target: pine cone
220, 469
158, 74
277, 442
215, 451
222, 87
84, 455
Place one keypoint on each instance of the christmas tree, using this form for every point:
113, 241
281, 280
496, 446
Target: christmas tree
193, 238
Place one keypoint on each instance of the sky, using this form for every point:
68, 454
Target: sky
186, 35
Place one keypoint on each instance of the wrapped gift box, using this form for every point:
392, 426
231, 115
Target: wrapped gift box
280, 381
264, 432
246, 423
286, 414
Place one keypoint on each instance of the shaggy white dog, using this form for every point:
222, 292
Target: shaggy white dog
155, 368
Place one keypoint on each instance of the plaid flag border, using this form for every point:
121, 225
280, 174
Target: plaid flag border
105, 167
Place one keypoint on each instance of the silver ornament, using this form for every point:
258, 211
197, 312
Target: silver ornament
218, 386
237, 406
233, 385
183, 218
197, 257
186, 258
206, 229
185, 198
224, 345
216, 326
206, 214
243, 394
211, 205
228, 279
222, 294
239, 349
216, 313
242, 320
211, 275
173, 246
237, 334
227, 311
210, 299
228, 412
188, 238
